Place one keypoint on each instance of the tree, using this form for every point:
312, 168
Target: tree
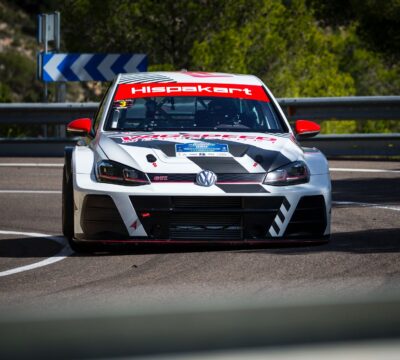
281, 44
378, 22
164, 29
18, 78
277, 40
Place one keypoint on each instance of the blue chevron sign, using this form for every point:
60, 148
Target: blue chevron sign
88, 67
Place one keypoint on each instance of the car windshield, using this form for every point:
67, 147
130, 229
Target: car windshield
192, 113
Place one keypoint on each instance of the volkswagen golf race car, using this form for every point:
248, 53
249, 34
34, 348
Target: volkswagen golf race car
178, 157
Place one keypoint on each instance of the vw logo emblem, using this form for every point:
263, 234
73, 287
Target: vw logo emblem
206, 178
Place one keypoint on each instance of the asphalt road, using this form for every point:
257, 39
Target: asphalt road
362, 257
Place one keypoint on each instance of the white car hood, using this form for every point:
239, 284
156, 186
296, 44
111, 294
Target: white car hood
186, 152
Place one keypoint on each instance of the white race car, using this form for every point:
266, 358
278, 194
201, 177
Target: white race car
176, 157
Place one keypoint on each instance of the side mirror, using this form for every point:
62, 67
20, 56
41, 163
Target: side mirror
80, 127
306, 129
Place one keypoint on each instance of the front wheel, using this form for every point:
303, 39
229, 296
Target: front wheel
68, 214
67, 205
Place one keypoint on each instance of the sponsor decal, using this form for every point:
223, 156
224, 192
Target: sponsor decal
201, 149
123, 104
160, 178
234, 137
132, 91
278, 226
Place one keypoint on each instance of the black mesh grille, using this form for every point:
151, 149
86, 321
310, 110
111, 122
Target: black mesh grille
256, 178
309, 217
235, 178
206, 217
208, 202
205, 226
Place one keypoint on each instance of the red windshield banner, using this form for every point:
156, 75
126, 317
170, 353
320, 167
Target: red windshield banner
132, 91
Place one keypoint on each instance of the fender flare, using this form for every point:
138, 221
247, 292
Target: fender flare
68, 151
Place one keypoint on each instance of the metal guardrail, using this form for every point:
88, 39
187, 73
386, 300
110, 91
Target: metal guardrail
343, 108
45, 113
333, 146
357, 145
337, 108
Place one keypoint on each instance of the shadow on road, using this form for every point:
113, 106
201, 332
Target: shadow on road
26, 247
371, 241
366, 241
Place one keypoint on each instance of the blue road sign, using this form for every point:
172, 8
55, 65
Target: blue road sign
88, 67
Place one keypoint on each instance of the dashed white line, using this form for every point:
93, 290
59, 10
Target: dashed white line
362, 204
61, 165
365, 170
31, 165
65, 252
30, 192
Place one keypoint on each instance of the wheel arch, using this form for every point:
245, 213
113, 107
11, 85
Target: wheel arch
68, 151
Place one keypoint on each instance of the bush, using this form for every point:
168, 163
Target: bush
18, 76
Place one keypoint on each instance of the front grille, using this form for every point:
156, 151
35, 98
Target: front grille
207, 202
238, 178
206, 226
206, 217
256, 178
309, 218
100, 218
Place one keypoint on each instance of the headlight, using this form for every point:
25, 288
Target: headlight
294, 173
116, 173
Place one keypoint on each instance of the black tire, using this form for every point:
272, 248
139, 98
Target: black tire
67, 205
68, 213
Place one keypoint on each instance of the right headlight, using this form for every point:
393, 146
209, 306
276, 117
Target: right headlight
116, 173
294, 173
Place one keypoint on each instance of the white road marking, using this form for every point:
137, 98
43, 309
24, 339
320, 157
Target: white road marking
365, 170
362, 204
65, 252
30, 192
31, 165
331, 169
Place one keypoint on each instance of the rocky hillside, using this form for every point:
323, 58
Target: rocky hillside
18, 49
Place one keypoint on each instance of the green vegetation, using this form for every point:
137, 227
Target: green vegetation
300, 48
18, 76
360, 126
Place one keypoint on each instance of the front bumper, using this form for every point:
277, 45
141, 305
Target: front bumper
190, 213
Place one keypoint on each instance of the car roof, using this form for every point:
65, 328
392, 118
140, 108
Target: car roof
187, 77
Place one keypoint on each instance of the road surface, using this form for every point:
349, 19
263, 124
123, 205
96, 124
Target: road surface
37, 271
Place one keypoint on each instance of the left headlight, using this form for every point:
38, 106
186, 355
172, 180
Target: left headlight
294, 173
116, 173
